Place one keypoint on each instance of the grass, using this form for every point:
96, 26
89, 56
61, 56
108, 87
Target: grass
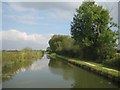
92, 66
15, 60
9, 57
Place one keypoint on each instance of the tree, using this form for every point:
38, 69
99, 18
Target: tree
48, 49
63, 44
91, 29
27, 49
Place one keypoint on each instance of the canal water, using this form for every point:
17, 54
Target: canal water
48, 73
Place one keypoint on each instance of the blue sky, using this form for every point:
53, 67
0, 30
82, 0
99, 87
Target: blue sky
31, 24
36, 20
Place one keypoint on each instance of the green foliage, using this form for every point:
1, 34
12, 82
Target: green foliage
27, 49
12, 61
57, 42
113, 62
92, 36
48, 49
63, 44
52, 55
91, 29
9, 57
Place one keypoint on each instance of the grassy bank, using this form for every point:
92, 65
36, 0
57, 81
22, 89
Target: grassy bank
12, 61
92, 66
9, 57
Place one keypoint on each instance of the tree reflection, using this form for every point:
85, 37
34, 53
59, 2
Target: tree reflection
81, 78
60, 68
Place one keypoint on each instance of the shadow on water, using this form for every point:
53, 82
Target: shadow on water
80, 77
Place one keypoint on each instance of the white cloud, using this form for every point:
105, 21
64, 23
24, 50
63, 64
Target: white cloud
58, 9
55, 10
17, 35
17, 7
26, 19
33, 12
57, 15
18, 39
23, 6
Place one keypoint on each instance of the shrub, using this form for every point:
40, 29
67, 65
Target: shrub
113, 62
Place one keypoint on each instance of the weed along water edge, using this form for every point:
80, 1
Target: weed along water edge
15, 61
54, 73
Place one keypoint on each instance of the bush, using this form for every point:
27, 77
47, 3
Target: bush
113, 62
53, 55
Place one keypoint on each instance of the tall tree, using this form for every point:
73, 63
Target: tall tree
91, 29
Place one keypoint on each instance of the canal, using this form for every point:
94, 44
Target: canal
48, 73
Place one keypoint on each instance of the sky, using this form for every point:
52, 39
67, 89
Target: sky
32, 24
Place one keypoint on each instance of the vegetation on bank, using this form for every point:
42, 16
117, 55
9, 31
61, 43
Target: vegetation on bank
12, 61
9, 57
66, 46
91, 28
91, 66
113, 63
92, 37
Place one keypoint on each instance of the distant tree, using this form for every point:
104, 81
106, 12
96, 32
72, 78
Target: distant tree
27, 49
63, 44
91, 29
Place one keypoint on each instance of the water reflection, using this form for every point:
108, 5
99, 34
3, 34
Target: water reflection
9, 70
60, 68
52, 73
21, 70
36, 67
80, 77
39, 65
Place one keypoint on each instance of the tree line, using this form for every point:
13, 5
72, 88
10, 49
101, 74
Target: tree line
92, 37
